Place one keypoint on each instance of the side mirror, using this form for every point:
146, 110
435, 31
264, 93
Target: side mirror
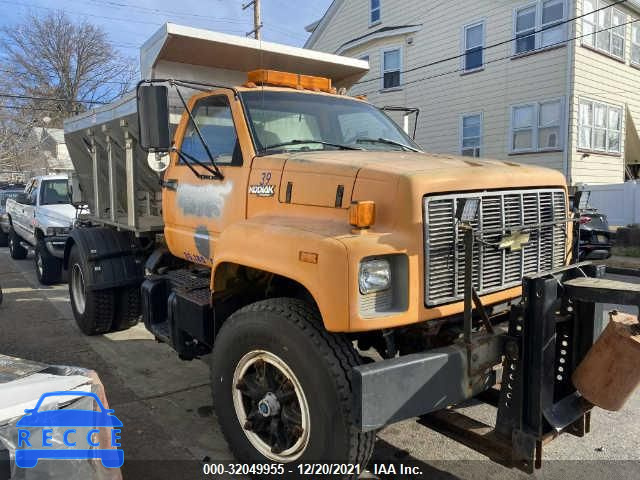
153, 118
22, 198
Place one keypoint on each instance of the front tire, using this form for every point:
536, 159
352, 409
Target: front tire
17, 251
282, 389
93, 310
48, 267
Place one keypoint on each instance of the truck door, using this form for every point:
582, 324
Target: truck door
196, 210
23, 223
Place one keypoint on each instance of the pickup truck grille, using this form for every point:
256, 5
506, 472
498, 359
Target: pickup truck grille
493, 269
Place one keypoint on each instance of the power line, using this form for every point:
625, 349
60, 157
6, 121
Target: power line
26, 74
498, 44
52, 99
35, 109
457, 70
90, 15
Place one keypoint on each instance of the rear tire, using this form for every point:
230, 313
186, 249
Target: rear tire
93, 310
17, 251
4, 239
280, 346
48, 267
128, 308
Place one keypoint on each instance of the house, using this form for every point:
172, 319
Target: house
548, 82
53, 150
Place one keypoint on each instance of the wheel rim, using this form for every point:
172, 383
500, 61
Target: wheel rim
11, 244
271, 406
77, 288
39, 263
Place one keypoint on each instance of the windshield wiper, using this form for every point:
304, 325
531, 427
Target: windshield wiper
216, 173
320, 142
386, 141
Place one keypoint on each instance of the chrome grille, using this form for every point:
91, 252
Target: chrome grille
493, 269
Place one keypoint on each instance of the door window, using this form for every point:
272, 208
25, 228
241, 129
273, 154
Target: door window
215, 121
33, 194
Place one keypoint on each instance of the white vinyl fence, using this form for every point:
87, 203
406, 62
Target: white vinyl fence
619, 201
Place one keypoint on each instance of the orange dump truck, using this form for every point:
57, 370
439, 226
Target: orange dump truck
341, 278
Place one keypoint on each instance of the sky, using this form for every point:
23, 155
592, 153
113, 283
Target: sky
129, 23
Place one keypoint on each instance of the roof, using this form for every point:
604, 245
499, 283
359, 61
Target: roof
188, 49
57, 134
312, 26
323, 22
379, 33
52, 177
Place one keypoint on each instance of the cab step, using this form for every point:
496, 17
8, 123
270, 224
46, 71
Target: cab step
177, 310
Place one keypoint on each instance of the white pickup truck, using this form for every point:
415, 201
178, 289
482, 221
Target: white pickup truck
42, 218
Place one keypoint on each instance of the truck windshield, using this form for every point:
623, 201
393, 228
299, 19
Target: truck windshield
293, 121
55, 192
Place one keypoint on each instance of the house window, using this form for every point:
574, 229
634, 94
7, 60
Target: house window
635, 45
374, 12
471, 134
605, 29
473, 46
600, 126
540, 25
536, 127
391, 66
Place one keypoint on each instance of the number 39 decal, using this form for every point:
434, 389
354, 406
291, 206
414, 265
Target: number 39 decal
265, 189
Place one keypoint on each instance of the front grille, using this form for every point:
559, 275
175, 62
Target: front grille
493, 269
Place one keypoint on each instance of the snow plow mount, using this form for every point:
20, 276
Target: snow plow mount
549, 334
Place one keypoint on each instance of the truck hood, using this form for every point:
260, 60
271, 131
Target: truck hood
57, 215
418, 173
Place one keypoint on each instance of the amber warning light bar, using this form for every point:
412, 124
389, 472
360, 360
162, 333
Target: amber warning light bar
291, 80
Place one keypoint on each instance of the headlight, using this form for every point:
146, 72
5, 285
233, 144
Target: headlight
374, 276
53, 231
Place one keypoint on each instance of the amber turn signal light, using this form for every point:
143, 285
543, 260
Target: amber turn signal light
362, 214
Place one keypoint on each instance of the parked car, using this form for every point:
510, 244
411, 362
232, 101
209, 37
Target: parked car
42, 217
7, 190
595, 237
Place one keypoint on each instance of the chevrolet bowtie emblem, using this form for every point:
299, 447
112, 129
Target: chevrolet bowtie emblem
514, 241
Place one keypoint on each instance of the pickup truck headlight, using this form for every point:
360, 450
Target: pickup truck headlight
54, 231
374, 276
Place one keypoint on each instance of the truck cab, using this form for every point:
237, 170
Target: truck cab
41, 218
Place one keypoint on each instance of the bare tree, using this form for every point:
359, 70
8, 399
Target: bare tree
51, 56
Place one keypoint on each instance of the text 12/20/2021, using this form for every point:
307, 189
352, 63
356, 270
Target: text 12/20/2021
307, 469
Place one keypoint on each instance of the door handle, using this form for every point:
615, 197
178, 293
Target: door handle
171, 184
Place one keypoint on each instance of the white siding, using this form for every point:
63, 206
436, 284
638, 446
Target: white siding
604, 79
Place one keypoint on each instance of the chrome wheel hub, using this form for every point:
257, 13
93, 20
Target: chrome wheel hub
77, 289
271, 406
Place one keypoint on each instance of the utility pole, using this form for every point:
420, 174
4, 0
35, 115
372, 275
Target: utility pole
257, 23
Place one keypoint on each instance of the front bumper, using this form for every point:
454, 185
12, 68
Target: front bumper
55, 245
420, 383
535, 400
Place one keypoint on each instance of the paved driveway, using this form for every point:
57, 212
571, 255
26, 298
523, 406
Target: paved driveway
169, 426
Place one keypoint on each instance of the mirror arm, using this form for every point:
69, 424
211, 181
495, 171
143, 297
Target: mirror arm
188, 159
218, 173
